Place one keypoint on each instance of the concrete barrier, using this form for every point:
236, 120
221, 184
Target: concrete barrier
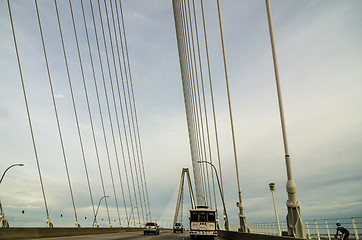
229, 235
28, 233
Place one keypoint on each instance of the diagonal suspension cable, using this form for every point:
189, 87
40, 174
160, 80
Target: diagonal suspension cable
99, 105
114, 100
29, 117
196, 94
192, 89
202, 131
88, 107
187, 74
83, 80
205, 109
212, 96
134, 151
242, 220
55, 108
134, 104
108, 108
122, 79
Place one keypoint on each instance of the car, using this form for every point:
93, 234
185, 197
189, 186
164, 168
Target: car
178, 227
151, 227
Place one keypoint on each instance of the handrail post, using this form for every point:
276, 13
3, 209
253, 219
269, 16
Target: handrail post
329, 236
306, 224
354, 228
273, 228
317, 230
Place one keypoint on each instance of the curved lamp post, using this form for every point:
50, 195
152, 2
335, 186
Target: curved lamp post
4, 222
94, 221
222, 195
17, 164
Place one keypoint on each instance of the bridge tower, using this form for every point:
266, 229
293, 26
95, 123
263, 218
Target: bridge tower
185, 171
190, 112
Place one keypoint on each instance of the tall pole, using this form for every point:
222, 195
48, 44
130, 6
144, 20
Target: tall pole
294, 221
226, 219
272, 189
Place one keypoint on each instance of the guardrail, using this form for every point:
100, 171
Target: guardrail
315, 229
232, 235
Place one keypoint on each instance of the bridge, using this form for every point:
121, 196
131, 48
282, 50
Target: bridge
80, 157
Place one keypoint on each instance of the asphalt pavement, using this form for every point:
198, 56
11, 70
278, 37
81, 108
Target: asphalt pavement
164, 235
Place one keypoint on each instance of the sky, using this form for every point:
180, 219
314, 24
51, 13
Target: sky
319, 52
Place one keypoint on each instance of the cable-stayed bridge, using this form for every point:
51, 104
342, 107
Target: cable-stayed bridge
76, 81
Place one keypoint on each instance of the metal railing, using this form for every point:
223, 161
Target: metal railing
316, 229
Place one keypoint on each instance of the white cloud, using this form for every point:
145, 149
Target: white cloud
319, 54
59, 96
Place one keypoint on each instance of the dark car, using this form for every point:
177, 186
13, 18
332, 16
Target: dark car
151, 228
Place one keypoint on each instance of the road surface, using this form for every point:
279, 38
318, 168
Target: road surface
164, 235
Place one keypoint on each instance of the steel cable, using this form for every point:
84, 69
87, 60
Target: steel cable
108, 109
241, 206
123, 118
101, 65
196, 94
28, 116
99, 105
206, 169
119, 94
126, 135
205, 112
193, 100
185, 75
118, 88
114, 99
119, 97
83, 80
212, 96
89, 110
133, 149
132, 113
55, 107
134, 103
192, 89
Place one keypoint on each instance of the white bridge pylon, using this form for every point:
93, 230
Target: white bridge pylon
185, 171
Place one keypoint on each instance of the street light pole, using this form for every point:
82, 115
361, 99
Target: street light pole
272, 189
3, 220
17, 164
226, 223
294, 221
95, 216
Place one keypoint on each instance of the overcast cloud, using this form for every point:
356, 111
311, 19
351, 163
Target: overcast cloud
319, 53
